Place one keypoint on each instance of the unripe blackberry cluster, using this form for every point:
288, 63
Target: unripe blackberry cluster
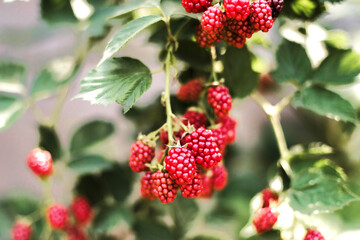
194, 165
233, 20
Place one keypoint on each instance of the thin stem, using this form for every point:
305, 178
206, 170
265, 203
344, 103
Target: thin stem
167, 97
181, 29
167, 23
213, 59
59, 105
180, 123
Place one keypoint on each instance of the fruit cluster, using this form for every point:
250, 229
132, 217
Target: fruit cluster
232, 20
193, 165
71, 220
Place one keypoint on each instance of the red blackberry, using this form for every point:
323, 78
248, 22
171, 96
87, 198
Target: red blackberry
164, 138
237, 9
219, 137
212, 20
269, 196
205, 39
313, 235
264, 219
21, 231
76, 233
164, 187
194, 188
197, 119
234, 39
141, 154
219, 99
146, 186
219, 177
276, 7
242, 27
261, 15
266, 83
203, 147
207, 186
82, 210
190, 91
40, 162
196, 6
181, 165
57, 216
228, 127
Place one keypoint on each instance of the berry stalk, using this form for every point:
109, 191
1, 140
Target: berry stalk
169, 113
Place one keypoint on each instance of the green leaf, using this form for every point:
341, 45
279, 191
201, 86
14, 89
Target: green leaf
293, 64
204, 237
184, 211
239, 76
340, 67
122, 80
88, 164
11, 109
303, 9
109, 217
90, 133
55, 11
131, 6
126, 33
149, 229
49, 140
92, 187
324, 102
194, 55
12, 77
56, 74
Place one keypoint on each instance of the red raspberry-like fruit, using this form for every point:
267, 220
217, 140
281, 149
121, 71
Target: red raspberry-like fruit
219, 177
164, 138
269, 196
234, 39
194, 188
190, 91
140, 155
196, 6
203, 147
82, 210
197, 119
276, 7
237, 9
164, 187
219, 137
181, 165
219, 99
76, 233
146, 186
40, 162
313, 235
207, 186
264, 219
57, 216
21, 231
261, 15
228, 127
212, 20
242, 27
205, 39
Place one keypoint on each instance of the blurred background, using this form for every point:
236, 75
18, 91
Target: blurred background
26, 38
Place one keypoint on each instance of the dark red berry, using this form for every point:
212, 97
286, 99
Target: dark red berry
164, 138
313, 235
40, 162
219, 177
212, 20
140, 155
197, 119
205, 39
190, 91
237, 9
76, 233
269, 196
164, 187
264, 219
276, 7
21, 231
82, 210
207, 186
57, 216
196, 6
261, 15
234, 39
146, 186
219, 99
181, 165
242, 27
228, 127
219, 137
194, 188
266, 83
203, 147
